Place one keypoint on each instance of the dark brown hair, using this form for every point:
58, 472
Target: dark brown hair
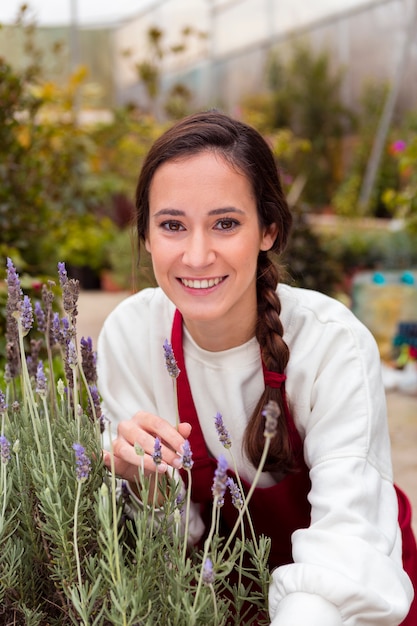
246, 150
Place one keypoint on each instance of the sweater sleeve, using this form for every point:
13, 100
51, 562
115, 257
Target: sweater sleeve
347, 567
130, 363
132, 375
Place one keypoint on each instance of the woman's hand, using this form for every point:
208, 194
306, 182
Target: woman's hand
142, 429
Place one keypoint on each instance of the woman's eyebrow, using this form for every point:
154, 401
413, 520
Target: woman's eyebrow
227, 209
178, 212
173, 212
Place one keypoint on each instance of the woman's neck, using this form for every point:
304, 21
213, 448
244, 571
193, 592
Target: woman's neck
216, 337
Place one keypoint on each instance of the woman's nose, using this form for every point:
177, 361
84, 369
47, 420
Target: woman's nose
198, 251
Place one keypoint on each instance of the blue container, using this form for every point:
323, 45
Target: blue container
381, 300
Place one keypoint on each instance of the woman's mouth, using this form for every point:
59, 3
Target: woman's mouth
204, 283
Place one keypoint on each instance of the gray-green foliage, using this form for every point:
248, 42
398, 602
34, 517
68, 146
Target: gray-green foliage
68, 552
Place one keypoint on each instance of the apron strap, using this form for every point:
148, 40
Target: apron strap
186, 407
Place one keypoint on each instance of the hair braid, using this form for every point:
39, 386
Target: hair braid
275, 355
246, 150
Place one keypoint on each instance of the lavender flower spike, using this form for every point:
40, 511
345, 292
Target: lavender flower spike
208, 573
14, 301
3, 405
82, 462
271, 413
70, 293
4, 449
170, 361
27, 314
187, 460
40, 317
222, 431
88, 360
220, 481
237, 499
41, 387
62, 273
157, 452
14, 290
72, 357
55, 330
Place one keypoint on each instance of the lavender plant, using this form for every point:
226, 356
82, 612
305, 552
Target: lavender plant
76, 547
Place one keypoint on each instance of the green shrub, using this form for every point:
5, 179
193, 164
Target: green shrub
70, 554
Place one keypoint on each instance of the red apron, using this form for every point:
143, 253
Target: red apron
276, 511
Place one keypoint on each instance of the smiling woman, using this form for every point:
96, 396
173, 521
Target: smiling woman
204, 237
210, 207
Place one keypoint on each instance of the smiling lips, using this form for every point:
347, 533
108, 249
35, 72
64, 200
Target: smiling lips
205, 283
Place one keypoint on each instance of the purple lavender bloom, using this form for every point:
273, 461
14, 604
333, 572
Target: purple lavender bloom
70, 292
187, 456
208, 573
179, 501
41, 387
222, 432
170, 361
82, 462
72, 356
64, 332
13, 285
3, 405
62, 273
271, 413
55, 330
5, 454
95, 396
237, 499
27, 314
157, 452
14, 301
220, 480
88, 360
40, 317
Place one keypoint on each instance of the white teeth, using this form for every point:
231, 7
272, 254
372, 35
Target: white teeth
201, 284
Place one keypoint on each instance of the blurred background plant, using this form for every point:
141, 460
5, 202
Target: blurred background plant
345, 199
66, 187
402, 200
176, 102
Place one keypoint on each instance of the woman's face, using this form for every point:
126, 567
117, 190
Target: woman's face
204, 238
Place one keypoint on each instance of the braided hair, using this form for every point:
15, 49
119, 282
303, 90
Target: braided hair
247, 151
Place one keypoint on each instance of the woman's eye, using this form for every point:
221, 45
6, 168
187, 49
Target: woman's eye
171, 226
226, 224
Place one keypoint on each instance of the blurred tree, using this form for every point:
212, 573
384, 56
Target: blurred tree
45, 163
345, 199
306, 98
45, 175
175, 103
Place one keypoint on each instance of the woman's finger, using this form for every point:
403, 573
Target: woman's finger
143, 430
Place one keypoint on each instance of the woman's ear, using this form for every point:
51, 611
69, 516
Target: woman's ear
147, 245
268, 237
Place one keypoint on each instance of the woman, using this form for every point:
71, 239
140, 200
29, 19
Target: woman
209, 209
